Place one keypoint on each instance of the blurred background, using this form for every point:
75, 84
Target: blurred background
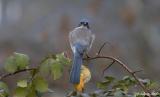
39, 27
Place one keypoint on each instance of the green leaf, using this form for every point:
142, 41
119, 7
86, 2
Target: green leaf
22, 60
153, 85
137, 94
45, 66
62, 59
57, 67
109, 78
22, 83
121, 84
54, 65
56, 70
31, 94
4, 89
31, 90
119, 93
129, 80
10, 65
40, 84
101, 85
3, 95
104, 84
149, 84
125, 83
15, 62
20, 92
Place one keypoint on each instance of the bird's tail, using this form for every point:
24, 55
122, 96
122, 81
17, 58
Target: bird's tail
76, 68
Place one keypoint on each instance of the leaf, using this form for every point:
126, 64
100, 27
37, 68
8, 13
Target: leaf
40, 84
62, 59
3, 89
57, 67
31, 91
129, 80
20, 92
109, 78
153, 85
22, 83
15, 62
121, 84
10, 65
149, 84
45, 66
22, 60
56, 70
103, 85
125, 83
31, 94
119, 93
137, 94
53, 66
146, 82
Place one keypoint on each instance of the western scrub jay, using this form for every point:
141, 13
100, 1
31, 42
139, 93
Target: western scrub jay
81, 39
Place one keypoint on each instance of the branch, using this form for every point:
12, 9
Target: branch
16, 72
137, 71
108, 66
125, 67
100, 49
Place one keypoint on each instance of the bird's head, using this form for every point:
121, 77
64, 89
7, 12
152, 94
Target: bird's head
85, 23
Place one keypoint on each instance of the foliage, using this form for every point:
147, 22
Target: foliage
54, 65
4, 91
16, 62
35, 85
112, 87
117, 88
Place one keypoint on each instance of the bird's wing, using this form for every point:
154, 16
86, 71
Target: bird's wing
92, 38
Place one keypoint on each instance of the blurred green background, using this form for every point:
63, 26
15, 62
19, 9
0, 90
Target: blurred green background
38, 27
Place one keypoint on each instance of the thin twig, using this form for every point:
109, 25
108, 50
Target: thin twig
101, 48
137, 71
87, 55
108, 67
47, 57
19, 71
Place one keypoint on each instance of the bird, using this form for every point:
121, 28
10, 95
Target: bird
81, 39
85, 76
